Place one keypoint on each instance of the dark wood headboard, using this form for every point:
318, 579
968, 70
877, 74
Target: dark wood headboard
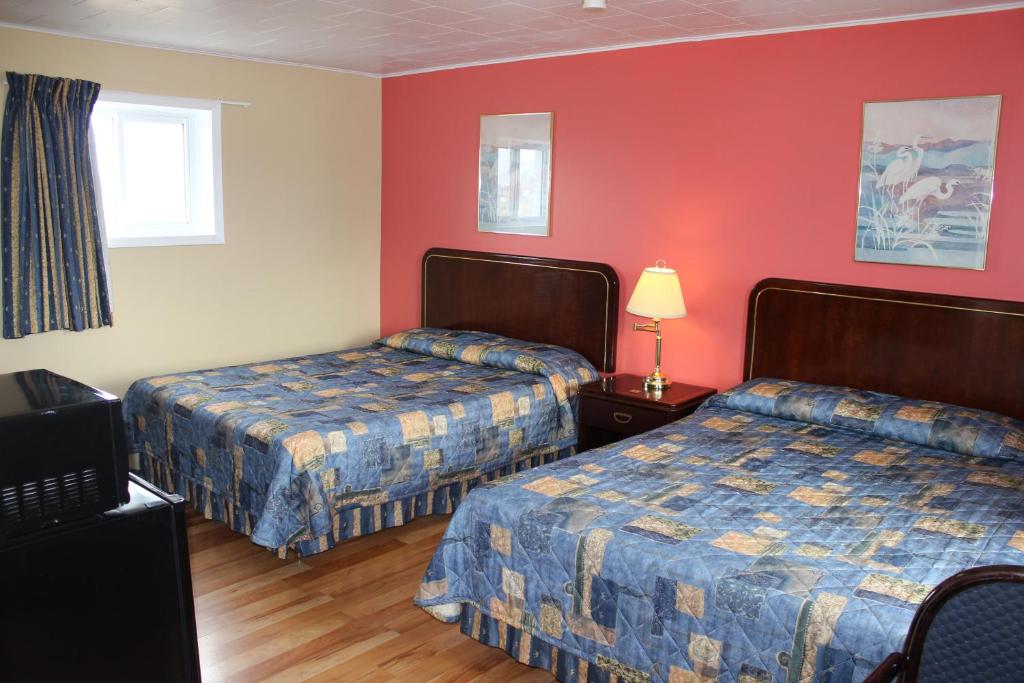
937, 347
574, 304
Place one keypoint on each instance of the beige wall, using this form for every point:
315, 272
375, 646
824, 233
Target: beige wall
299, 270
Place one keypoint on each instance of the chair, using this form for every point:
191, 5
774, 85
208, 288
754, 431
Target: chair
970, 629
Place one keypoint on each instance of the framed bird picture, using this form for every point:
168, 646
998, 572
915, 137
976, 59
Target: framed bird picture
926, 175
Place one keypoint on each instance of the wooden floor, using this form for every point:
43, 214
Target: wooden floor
344, 615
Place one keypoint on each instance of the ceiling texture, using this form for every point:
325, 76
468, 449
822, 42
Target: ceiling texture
391, 37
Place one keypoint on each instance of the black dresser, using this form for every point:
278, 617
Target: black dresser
94, 569
107, 598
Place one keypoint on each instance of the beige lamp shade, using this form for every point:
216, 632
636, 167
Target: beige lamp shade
657, 294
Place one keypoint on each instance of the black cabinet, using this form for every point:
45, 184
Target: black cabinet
106, 598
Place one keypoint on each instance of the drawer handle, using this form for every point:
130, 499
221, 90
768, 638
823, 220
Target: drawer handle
622, 418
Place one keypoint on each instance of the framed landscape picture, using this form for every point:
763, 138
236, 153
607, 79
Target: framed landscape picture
515, 174
926, 178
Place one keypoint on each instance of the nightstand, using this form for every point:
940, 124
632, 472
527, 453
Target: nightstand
616, 407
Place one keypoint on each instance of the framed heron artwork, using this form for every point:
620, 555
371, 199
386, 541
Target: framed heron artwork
926, 177
515, 174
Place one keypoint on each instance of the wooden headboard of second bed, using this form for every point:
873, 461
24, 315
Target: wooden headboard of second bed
937, 347
574, 304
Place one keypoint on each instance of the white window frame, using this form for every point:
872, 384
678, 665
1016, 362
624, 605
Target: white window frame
214, 107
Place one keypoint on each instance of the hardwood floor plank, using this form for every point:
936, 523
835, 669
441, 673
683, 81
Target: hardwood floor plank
400, 618
428, 659
343, 615
334, 658
466, 663
289, 649
318, 618
379, 657
259, 614
237, 593
373, 676
215, 573
391, 589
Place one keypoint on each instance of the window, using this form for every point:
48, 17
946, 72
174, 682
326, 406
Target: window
159, 168
522, 183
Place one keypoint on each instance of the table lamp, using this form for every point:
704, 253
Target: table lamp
657, 296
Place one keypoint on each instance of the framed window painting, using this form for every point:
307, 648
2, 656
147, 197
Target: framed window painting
515, 174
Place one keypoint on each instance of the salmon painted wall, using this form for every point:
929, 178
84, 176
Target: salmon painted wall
733, 160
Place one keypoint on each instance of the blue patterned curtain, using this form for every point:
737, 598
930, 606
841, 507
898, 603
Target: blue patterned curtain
53, 269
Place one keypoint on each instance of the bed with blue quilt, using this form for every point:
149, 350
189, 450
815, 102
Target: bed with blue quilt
786, 531
305, 452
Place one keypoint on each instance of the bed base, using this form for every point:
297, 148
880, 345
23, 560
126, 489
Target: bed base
350, 521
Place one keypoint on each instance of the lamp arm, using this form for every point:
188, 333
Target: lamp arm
655, 327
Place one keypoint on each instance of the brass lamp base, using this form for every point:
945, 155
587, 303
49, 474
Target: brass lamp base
656, 383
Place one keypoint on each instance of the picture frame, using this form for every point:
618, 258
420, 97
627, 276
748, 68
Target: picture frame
927, 181
514, 174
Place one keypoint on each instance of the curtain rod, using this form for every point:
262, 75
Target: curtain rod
230, 103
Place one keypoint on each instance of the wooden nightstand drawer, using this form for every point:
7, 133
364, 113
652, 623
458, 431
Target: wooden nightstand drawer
614, 408
616, 417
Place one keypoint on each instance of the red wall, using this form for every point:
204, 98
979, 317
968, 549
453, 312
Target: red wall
734, 160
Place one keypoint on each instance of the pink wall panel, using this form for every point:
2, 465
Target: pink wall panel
733, 160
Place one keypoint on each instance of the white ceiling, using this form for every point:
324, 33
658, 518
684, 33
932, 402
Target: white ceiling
388, 37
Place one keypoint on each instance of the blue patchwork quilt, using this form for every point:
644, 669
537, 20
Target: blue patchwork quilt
304, 452
784, 532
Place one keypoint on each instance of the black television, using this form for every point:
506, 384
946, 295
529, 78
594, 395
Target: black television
62, 451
